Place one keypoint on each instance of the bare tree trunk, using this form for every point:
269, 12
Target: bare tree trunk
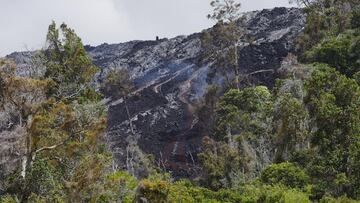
230, 137
27, 155
129, 117
129, 161
23, 166
236, 68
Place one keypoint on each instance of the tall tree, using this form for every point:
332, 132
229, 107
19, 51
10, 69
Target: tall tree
67, 64
65, 158
221, 43
334, 104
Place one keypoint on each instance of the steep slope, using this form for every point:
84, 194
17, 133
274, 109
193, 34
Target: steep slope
170, 83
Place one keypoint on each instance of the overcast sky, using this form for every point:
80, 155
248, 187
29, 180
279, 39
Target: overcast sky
23, 23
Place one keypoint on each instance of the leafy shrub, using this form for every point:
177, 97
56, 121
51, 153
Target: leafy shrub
285, 173
153, 191
341, 52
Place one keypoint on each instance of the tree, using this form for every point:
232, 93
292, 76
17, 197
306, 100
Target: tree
290, 125
20, 94
219, 163
285, 173
303, 3
20, 97
225, 11
221, 43
67, 64
325, 18
334, 104
341, 52
243, 117
243, 111
65, 157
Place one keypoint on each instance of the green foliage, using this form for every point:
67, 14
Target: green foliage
285, 173
20, 94
332, 36
341, 52
356, 77
257, 192
225, 10
290, 124
153, 191
342, 199
119, 186
219, 163
243, 110
334, 103
8, 199
67, 63
316, 126
249, 99
279, 194
44, 181
65, 159
242, 117
185, 191
326, 18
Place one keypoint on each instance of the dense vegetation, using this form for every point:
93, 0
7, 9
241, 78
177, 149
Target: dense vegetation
306, 129
308, 124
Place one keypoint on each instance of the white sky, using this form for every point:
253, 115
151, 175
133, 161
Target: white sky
23, 23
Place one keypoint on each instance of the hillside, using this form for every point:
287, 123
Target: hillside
170, 82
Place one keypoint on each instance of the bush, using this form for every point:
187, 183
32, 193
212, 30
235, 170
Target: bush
341, 52
258, 192
342, 199
8, 199
285, 173
153, 191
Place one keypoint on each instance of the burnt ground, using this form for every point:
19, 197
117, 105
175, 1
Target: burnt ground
170, 84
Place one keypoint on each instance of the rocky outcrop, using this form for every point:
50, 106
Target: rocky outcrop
170, 84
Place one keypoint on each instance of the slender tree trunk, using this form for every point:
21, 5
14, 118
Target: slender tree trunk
129, 117
236, 68
27, 154
230, 138
23, 166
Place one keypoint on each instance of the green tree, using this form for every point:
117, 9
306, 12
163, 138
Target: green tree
341, 52
334, 104
285, 173
220, 163
290, 121
65, 157
67, 64
243, 111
